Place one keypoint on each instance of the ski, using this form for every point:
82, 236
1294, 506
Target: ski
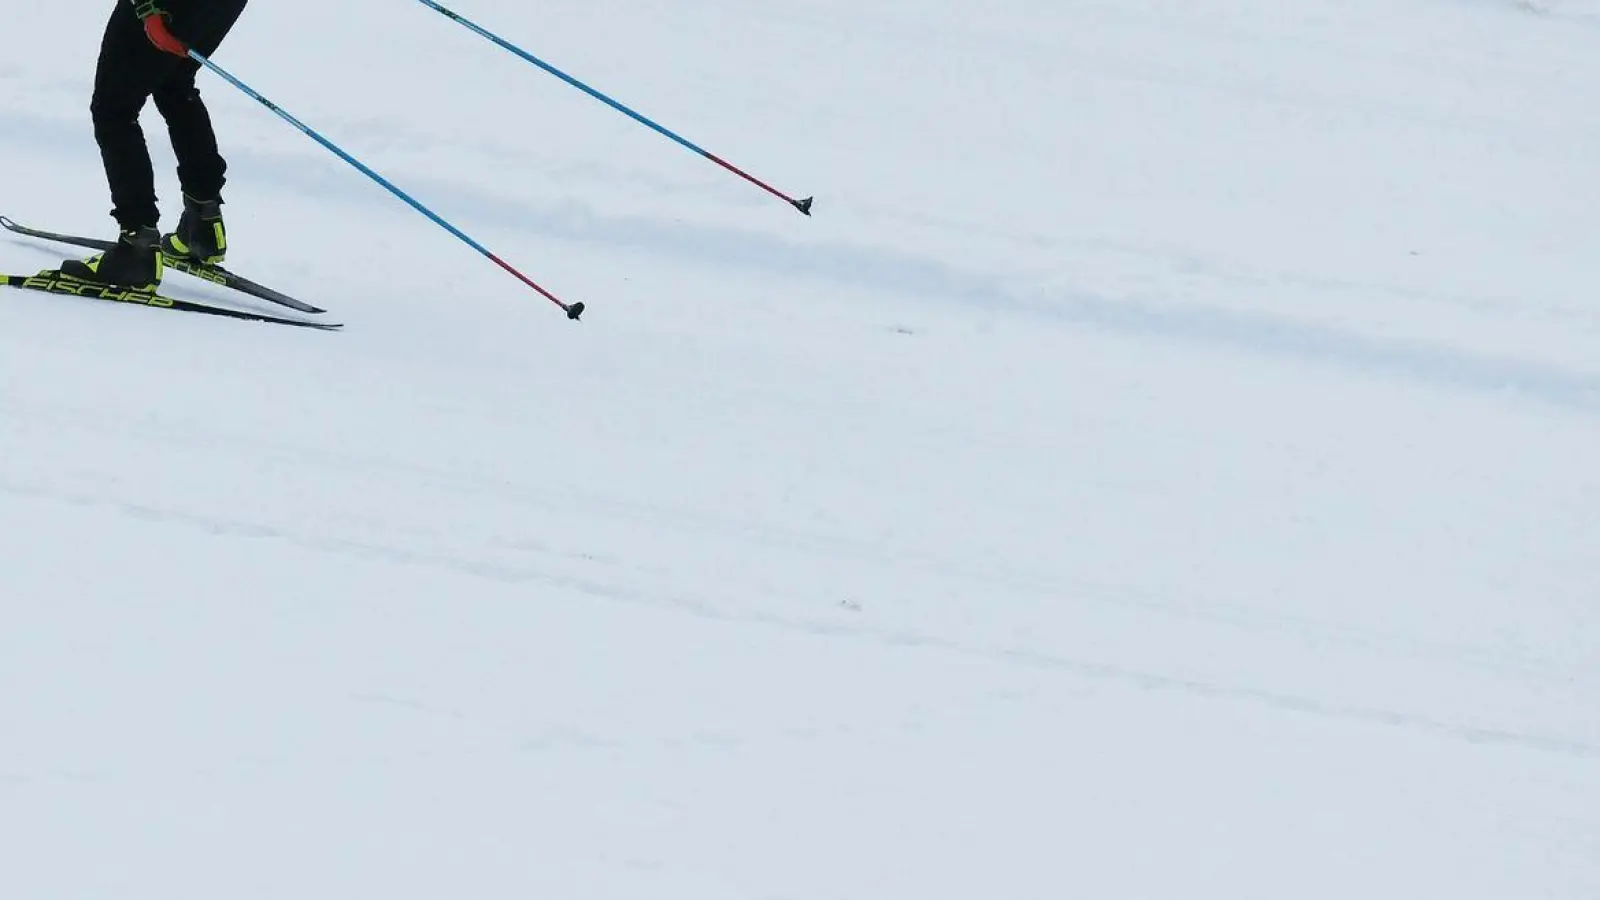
216, 275
52, 281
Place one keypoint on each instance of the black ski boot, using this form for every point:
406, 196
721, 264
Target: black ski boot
135, 262
200, 237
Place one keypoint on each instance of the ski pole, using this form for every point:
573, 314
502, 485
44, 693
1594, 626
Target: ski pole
802, 205
573, 310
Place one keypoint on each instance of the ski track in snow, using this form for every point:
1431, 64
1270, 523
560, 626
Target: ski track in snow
930, 279
616, 590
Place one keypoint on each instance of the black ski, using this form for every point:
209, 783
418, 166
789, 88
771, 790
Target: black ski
51, 281
216, 275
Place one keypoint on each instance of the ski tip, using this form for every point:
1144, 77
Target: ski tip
575, 310
297, 323
804, 205
8, 224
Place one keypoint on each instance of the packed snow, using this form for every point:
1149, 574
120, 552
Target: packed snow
1164, 467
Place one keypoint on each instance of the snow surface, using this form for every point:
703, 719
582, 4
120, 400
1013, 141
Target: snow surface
1166, 466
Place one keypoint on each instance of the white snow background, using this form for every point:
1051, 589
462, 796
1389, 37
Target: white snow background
1167, 466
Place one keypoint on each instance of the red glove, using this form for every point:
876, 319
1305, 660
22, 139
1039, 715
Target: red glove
155, 28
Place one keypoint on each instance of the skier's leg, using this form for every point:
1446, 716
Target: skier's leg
201, 168
128, 70
200, 235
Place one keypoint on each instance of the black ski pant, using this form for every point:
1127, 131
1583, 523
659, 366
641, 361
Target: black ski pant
131, 70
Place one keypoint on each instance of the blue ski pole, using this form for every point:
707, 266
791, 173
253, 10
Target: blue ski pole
573, 310
802, 205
